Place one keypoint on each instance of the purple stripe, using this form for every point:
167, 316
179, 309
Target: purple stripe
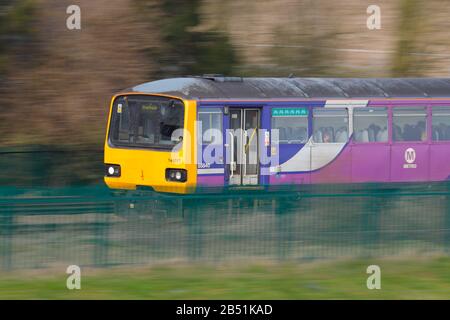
210, 180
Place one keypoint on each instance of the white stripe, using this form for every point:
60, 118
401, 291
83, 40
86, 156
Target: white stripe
322, 154
211, 171
303, 160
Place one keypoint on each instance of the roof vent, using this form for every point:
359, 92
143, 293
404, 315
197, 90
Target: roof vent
221, 78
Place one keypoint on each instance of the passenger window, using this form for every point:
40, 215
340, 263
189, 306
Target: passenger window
441, 123
291, 123
370, 124
330, 125
211, 120
409, 124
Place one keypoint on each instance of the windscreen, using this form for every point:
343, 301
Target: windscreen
146, 122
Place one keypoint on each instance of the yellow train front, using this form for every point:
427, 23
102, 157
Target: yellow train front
148, 143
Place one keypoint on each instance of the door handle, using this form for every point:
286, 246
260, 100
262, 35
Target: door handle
247, 146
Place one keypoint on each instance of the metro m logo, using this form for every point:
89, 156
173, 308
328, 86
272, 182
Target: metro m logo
410, 155
410, 158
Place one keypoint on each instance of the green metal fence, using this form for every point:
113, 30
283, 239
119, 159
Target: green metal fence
50, 166
92, 226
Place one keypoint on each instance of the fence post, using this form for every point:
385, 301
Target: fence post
101, 238
447, 222
8, 226
283, 218
371, 226
194, 222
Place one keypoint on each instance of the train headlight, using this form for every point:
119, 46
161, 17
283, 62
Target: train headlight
177, 175
112, 170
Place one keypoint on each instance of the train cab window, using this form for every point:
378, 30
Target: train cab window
370, 125
146, 121
291, 123
330, 125
409, 124
211, 121
440, 123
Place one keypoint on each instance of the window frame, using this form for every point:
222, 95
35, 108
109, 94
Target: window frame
329, 109
427, 124
388, 125
431, 107
306, 116
211, 110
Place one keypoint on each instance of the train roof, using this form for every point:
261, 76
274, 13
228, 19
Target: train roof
224, 88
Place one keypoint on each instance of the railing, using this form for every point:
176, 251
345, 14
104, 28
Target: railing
92, 226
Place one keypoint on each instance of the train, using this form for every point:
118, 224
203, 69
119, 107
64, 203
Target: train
185, 134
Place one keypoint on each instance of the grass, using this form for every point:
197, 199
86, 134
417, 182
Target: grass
406, 278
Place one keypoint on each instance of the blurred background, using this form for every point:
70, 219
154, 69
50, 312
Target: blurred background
55, 89
56, 83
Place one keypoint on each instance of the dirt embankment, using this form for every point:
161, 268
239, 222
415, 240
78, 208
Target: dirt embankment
59, 91
57, 88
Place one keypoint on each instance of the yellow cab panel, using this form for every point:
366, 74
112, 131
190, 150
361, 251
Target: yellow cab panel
150, 143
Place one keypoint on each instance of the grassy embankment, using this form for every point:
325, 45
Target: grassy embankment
406, 278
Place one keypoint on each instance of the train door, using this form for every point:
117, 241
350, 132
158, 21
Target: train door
243, 140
